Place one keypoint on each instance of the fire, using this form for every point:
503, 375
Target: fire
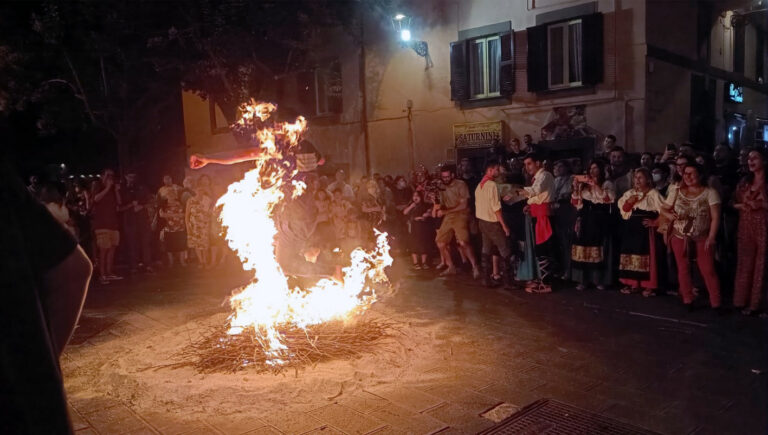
247, 216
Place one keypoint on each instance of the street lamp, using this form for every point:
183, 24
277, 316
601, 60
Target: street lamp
401, 24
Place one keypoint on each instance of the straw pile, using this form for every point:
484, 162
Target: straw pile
219, 352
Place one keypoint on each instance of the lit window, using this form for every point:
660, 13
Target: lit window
484, 61
565, 54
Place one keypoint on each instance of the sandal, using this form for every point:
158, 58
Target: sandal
539, 288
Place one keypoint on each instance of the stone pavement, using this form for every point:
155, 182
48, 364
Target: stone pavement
640, 360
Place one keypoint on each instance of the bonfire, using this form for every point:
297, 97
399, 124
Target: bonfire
275, 325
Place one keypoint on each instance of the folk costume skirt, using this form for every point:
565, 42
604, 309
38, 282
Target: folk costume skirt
592, 246
637, 262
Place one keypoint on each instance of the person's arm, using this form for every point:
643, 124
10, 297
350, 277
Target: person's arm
66, 285
99, 196
714, 214
197, 161
409, 208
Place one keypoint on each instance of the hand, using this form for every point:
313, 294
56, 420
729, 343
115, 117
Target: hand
440, 213
648, 223
197, 161
527, 209
710, 243
506, 230
418, 219
507, 197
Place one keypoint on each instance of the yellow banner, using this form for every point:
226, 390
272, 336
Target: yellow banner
476, 134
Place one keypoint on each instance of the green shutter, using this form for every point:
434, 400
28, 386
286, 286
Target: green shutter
459, 71
507, 65
538, 64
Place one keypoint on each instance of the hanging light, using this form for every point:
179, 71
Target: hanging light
401, 24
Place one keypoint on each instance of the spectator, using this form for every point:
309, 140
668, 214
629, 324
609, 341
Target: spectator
695, 211
50, 196
454, 209
172, 234
515, 150
422, 230
136, 224
609, 142
187, 190
198, 221
169, 189
373, 207
646, 160
592, 248
340, 211
106, 224
619, 171
751, 200
528, 145
346, 190
725, 167
79, 203
219, 251
660, 174
638, 265
493, 229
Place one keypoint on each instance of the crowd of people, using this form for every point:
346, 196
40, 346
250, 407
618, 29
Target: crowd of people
174, 226
679, 222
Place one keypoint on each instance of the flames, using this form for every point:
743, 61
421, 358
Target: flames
268, 303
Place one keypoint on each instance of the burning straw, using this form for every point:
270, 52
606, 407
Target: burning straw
218, 351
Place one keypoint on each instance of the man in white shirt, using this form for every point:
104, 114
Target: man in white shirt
540, 195
493, 229
346, 190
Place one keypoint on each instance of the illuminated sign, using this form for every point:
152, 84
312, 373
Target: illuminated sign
735, 93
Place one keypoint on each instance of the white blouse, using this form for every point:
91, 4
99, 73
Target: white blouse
651, 201
608, 190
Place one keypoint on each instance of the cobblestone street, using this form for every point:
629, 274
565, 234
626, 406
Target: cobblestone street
640, 360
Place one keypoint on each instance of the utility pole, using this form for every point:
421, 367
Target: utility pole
364, 94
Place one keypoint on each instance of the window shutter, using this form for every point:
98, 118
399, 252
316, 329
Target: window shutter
334, 91
538, 72
507, 65
459, 71
305, 93
592, 49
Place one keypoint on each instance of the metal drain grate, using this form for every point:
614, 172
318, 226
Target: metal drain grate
551, 417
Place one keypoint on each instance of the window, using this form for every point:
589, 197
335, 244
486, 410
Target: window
319, 90
328, 90
484, 60
565, 54
483, 67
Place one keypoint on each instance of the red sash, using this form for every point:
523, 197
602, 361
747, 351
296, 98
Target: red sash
543, 227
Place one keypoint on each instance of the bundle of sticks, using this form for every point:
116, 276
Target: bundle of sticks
218, 351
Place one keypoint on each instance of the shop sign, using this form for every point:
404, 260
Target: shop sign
477, 134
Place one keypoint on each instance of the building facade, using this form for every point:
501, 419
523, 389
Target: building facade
566, 72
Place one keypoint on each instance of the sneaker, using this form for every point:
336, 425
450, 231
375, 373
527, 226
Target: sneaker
425, 266
475, 273
103, 280
441, 266
416, 267
113, 277
449, 272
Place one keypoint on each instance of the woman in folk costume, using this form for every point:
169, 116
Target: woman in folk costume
592, 246
751, 200
639, 206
